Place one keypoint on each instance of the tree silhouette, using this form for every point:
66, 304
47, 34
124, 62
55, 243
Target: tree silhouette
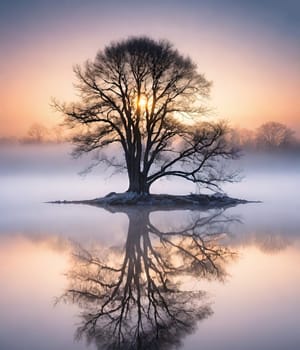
274, 135
146, 97
37, 133
134, 298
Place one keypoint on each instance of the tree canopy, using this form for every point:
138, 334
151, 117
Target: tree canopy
273, 135
145, 96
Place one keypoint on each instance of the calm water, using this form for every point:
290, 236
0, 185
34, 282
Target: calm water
80, 277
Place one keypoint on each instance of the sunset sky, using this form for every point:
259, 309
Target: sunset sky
249, 49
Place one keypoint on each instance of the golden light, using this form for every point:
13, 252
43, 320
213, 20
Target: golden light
142, 102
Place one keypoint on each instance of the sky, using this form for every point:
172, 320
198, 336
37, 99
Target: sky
249, 49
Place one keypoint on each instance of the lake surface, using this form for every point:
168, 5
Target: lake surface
81, 277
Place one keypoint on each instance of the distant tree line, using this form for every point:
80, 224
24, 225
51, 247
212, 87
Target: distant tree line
269, 136
38, 133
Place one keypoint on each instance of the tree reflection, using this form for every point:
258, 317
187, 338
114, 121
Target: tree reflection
271, 242
142, 297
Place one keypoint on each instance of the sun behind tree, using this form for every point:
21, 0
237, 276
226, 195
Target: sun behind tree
142, 102
133, 94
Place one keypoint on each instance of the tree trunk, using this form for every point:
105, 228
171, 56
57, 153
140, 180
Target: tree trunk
137, 179
137, 183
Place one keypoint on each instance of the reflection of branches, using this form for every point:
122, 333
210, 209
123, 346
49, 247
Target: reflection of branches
197, 251
271, 243
135, 301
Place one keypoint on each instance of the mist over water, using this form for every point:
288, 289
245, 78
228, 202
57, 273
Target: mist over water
255, 306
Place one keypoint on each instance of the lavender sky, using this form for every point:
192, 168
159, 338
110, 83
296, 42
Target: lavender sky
249, 49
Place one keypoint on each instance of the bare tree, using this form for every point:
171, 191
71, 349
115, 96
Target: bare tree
133, 298
37, 133
146, 97
273, 135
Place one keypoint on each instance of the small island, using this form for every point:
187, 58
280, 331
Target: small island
115, 201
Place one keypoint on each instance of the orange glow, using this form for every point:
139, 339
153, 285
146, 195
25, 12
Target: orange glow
142, 102
26, 264
252, 84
